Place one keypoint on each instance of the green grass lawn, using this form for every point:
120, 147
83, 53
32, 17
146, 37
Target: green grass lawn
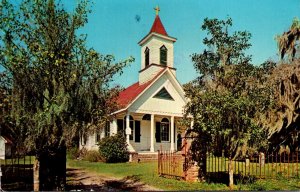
147, 173
271, 185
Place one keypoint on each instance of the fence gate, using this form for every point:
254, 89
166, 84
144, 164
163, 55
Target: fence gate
176, 164
17, 173
170, 164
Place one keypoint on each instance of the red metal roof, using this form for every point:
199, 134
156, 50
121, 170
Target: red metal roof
158, 27
130, 93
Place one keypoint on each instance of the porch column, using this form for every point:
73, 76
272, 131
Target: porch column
128, 129
172, 134
152, 133
102, 132
192, 124
114, 127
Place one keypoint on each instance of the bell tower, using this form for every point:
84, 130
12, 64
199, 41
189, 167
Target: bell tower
157, 51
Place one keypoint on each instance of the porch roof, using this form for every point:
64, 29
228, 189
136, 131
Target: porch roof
7, 139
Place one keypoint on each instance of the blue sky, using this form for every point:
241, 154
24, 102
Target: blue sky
113, 29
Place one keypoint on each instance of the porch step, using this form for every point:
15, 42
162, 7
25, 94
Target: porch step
144, 157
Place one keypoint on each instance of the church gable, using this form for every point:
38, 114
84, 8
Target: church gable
162, 97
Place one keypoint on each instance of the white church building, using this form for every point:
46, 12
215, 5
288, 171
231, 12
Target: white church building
151, 109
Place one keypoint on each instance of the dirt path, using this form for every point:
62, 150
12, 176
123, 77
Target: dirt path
82, 180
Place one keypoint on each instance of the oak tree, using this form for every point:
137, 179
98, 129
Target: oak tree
59, 86
228, 96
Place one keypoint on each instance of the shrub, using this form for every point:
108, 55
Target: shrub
73, 153
114, 149
82, 153
92, 156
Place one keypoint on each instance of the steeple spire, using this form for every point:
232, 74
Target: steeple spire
157, 26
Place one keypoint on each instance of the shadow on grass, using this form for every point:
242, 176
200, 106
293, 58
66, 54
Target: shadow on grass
296, 187
223, 177
129, 183
78, 179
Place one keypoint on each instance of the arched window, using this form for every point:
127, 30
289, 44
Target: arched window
147, 117
163, 55
83, 139
147, 58
165, 129
107, 129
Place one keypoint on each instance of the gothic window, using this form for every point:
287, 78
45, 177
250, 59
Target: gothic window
83, 139
107, 129
163, 94
147, 58
98, 136
120, 126
163, 55
164, 129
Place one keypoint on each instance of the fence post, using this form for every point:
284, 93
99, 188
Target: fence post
0, 177
36, 175
293, 163
185, 161
247, 164
272, 164
223, 161
288, 165
158, 160
297, 164
259, 159
230, 173
276, 157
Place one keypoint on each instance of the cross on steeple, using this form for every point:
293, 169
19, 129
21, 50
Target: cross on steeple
156, 10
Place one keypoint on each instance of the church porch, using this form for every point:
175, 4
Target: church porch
147, 133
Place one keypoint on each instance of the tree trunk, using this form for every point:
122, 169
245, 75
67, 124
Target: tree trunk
52, 170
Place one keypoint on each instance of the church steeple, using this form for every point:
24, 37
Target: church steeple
157, 26
156, 50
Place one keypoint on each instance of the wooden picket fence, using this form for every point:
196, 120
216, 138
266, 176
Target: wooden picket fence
269, 165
